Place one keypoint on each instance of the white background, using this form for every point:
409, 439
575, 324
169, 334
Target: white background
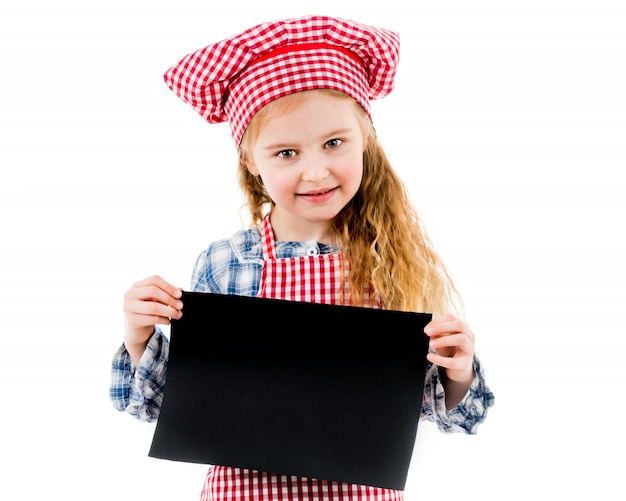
508, 124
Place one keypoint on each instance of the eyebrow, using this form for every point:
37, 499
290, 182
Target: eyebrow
330, 135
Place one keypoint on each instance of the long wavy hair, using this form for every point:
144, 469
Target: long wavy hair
379, 230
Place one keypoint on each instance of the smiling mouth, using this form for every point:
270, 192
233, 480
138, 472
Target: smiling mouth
319, 196
317, 193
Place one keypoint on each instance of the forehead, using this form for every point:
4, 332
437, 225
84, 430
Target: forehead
293, 102
312, 115
304, 105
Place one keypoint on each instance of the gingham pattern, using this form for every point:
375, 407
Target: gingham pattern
314, 279
235, 484
232, 79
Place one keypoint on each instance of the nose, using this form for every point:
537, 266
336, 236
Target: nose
315, 169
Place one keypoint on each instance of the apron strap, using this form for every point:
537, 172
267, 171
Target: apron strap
267, 239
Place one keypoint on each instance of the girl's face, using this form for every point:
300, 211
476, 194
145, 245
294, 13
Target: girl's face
310, 159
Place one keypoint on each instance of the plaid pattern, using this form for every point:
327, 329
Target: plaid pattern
233, 79
234, 266
249, 485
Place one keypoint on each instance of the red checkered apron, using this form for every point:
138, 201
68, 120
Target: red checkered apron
313, 278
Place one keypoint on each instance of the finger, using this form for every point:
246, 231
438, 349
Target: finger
152, 293
446, 327
146, 313
436, 320
458, 341
452, 363
439, 360
438, 324
139, 321
153, 303
156, 294
157, 281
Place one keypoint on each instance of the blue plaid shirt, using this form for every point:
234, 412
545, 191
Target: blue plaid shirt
234, 266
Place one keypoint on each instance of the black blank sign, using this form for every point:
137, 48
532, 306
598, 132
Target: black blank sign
322, 391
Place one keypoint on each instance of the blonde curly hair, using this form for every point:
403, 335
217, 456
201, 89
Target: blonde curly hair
379, 230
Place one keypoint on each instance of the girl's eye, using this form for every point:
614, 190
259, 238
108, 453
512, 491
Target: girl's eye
286, 154
333, 143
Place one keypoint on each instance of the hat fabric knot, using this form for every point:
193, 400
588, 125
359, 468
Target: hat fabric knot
231, 80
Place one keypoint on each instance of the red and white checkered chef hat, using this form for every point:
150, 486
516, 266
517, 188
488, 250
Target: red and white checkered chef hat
233, 79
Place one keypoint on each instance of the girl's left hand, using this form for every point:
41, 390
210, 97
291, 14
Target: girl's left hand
453, 342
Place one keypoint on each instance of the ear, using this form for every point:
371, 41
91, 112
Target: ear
250, 165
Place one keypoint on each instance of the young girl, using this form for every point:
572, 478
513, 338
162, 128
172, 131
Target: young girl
322, 197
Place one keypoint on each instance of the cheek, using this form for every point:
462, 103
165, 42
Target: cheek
278, 185
354, 171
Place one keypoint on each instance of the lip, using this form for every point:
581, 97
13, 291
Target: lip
318, 196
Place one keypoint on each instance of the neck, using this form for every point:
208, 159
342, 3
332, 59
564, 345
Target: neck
289, 229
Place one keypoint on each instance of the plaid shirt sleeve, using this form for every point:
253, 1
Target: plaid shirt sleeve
234, 267
140, 391
468, 414
230, 266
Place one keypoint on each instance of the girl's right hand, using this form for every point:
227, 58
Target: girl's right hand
148, 302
